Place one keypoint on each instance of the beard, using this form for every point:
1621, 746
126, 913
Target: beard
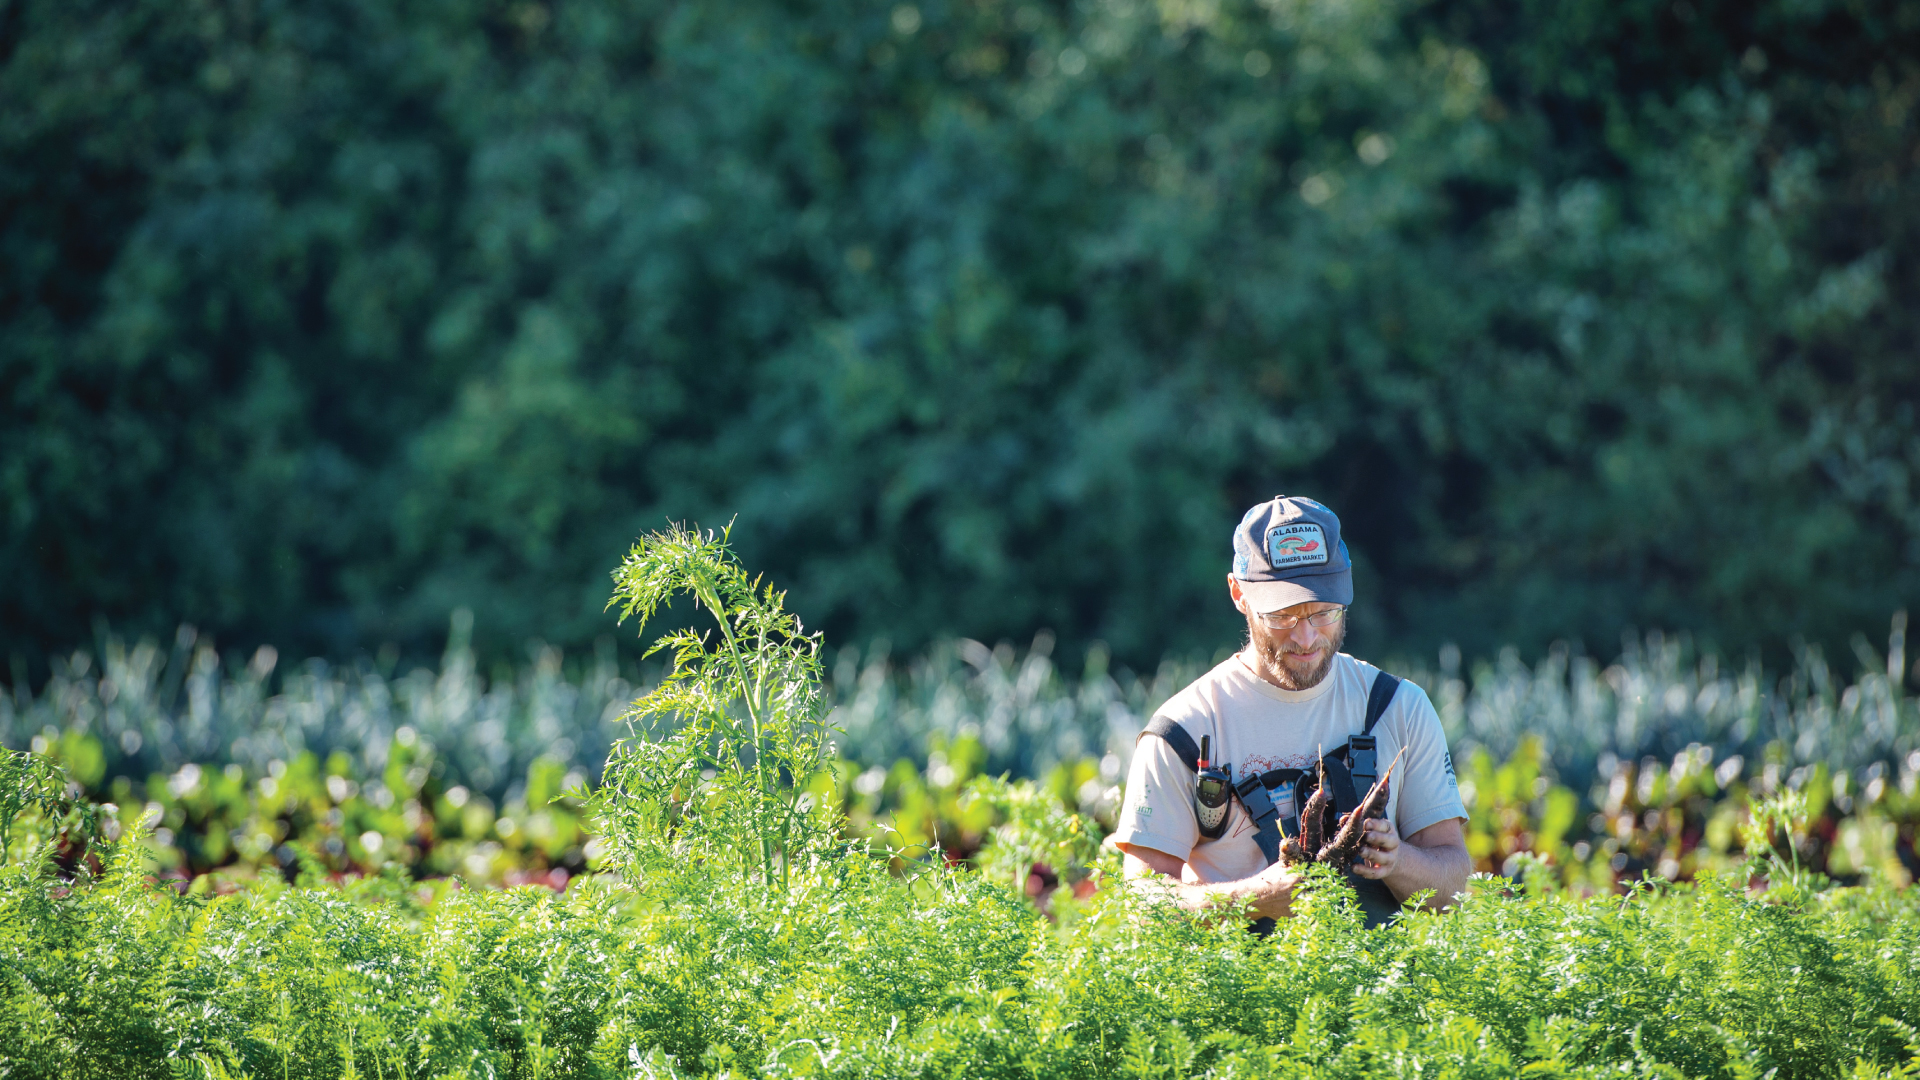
1293, 670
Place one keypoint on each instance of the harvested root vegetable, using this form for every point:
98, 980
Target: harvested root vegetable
1344, 848
1313, 816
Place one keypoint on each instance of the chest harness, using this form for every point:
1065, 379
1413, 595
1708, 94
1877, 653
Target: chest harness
1351, 770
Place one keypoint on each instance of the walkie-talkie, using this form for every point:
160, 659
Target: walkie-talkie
1212, 789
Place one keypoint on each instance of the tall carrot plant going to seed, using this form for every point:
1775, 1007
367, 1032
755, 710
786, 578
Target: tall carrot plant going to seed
719, 754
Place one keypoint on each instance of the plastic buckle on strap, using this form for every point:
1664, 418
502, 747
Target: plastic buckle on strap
1366, 763
1253, 795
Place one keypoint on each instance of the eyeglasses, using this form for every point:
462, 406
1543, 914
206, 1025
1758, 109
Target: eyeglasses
1325, 618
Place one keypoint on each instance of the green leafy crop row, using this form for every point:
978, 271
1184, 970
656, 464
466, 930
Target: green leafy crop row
214, 829
1611, 770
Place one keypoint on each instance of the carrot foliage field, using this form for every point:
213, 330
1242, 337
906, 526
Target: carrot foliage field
846, 969
737, 923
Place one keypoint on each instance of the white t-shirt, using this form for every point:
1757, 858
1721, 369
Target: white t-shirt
1255, 727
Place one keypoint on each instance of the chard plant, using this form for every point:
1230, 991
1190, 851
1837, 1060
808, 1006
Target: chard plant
1036, 827
721, 754
1786, 814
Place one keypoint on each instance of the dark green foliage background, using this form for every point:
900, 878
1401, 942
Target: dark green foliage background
318, 320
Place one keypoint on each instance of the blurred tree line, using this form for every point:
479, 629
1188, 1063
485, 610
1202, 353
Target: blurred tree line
320, 319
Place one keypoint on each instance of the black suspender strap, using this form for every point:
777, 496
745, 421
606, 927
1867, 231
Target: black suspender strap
1364, 759
1381, 696
1266, 816
1376, 901
1175, 737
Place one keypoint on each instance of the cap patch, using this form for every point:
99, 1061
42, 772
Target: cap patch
1299, 544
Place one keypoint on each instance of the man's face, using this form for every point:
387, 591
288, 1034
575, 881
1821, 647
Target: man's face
1299, 658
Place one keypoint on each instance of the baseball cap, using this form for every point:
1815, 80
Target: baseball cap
1288, 551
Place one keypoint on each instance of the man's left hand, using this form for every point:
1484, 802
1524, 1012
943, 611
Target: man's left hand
1379, 850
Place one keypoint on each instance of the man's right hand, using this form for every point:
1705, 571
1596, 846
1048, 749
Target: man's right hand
1268, 893
1271, 891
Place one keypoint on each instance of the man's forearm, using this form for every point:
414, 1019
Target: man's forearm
1444, 869
1270, 891
1269, 898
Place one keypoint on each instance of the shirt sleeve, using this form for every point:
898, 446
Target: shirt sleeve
1157, 811
1429, 793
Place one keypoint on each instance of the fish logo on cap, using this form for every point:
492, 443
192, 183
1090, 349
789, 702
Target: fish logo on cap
1301, 543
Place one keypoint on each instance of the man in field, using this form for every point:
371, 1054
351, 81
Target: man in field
1277, 716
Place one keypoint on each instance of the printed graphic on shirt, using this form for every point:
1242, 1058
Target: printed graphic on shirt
1299, 544
1264, 763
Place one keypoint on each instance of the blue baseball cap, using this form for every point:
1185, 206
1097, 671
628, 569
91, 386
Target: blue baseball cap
1288, 551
